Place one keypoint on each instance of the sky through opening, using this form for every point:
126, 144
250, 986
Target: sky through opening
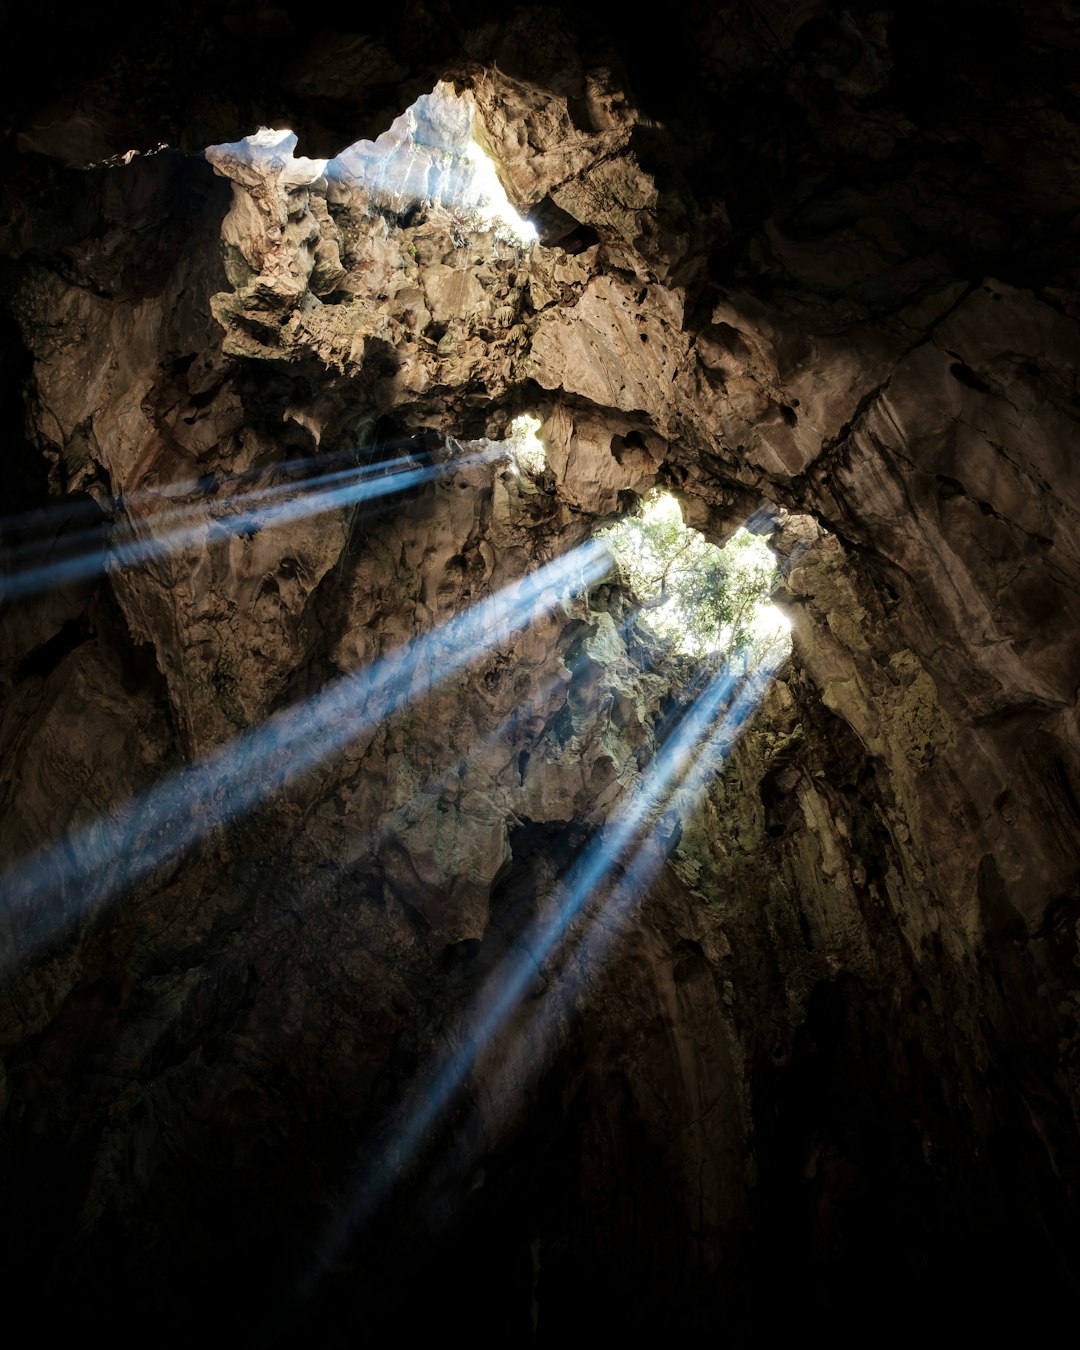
696, 597
429, 157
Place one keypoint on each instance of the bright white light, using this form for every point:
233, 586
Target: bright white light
495, 205
663, 507
770, 622
429, 156
523, 440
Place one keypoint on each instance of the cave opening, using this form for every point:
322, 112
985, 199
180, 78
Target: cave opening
428, 163
698, 598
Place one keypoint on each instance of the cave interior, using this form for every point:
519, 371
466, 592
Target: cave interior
397, 934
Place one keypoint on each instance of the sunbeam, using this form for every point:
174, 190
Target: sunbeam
689, 755
47, 517
54, 888
276, 505
204, 486
22, 556
366, 844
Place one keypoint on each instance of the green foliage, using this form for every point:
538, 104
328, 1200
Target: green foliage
697, 598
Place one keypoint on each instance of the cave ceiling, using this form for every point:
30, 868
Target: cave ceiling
392, 930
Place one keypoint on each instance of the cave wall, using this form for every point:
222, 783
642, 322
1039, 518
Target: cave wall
815, 258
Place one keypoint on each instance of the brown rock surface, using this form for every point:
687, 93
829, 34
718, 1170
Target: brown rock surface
819, 1055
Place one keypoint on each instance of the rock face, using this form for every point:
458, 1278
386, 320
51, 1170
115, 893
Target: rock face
348, 981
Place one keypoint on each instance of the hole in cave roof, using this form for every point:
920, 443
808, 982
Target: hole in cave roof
429, 157
523, 441
695, 597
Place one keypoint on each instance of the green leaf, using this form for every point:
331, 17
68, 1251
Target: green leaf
696, 597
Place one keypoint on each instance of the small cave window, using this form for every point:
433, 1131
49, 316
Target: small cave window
695, 597
525, 446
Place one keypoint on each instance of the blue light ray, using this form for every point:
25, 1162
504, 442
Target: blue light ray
687, 757
129, 550
366, 845
693, 760
59, 885
698, 746
14, 558
47, 517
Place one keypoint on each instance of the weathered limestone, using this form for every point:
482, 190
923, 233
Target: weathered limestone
829, 1041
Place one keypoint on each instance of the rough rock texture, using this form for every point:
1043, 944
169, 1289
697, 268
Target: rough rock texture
817, 1059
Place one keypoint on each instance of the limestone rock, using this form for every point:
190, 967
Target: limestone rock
806, 265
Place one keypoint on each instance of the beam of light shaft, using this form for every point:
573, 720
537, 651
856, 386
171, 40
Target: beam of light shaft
124, 534
367, 844
133, 551
123, 531
87, 868
46, 516
687, 758
696, 756
504, 991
